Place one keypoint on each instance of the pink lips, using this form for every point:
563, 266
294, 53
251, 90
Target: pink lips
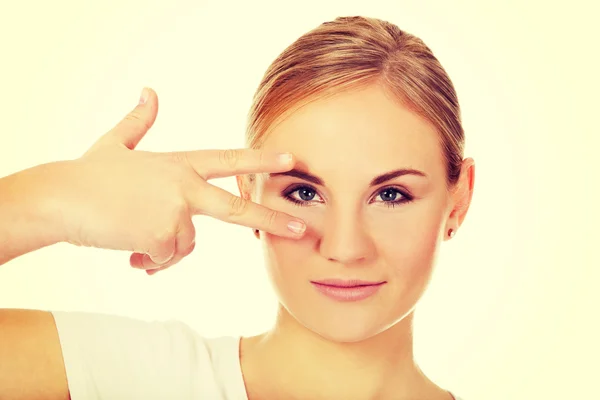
347, 290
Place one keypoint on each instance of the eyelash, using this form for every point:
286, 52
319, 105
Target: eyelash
406, 198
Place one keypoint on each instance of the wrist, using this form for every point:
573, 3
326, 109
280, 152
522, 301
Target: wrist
48, 207
37, 204
27, 212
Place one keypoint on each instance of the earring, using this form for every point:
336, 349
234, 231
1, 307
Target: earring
451, 233
256, 233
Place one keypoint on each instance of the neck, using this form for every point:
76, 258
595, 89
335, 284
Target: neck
294, 362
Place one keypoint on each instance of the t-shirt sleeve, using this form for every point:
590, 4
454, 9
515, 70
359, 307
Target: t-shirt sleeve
113, 357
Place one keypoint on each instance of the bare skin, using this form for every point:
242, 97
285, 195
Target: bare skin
281, 365
318, 348
85, 201
321, 348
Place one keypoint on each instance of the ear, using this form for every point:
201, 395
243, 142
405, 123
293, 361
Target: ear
462, 194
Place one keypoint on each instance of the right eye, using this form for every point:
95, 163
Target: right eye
301, 195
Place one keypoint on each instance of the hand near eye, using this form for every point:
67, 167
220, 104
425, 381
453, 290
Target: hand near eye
115, 197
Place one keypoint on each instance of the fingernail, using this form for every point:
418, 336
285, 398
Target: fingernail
144, 96
285, 158
296, 227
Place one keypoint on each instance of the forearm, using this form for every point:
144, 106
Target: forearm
28, 216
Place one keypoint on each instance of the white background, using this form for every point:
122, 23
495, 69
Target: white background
512, 310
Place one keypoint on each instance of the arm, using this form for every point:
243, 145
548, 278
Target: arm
31, 361
85, 202
27, 220
87, 356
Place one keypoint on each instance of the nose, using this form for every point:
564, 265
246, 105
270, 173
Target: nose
346, 238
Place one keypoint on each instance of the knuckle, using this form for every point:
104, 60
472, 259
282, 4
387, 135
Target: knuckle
182, 210
178, 157
162, 241
270, 218
137, 118
237, 206
229, 157
179, 213
189, 250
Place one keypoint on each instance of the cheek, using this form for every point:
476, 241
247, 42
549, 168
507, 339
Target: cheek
285, 257
408, 242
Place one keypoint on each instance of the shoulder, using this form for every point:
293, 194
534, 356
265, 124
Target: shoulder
109, 356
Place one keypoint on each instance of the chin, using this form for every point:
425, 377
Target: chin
343, 327
344, 322
346, 335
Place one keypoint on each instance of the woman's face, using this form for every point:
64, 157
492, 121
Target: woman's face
362, 224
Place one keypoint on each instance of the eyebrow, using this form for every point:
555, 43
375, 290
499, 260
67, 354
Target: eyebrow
378, 180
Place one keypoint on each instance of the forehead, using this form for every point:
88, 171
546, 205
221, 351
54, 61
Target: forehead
363, 129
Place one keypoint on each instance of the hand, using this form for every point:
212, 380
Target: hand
115, 197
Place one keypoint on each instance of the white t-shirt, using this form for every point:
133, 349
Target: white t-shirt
112, 357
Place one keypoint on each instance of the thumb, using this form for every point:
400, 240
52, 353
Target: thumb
131, 129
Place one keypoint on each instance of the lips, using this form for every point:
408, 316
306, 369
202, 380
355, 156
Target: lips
342, 283
347, 290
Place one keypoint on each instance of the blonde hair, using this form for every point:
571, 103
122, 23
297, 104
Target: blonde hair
353, 51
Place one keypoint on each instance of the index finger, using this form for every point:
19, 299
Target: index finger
219, 203
211, 164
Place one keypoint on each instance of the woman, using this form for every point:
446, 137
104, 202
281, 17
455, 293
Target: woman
351, 229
